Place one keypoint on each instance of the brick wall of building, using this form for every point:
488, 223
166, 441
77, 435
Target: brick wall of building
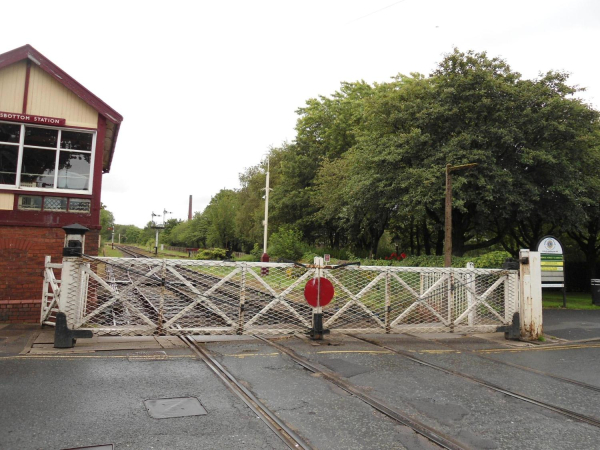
22, 252
20, 311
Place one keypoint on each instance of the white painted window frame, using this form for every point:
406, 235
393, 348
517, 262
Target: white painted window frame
55, 189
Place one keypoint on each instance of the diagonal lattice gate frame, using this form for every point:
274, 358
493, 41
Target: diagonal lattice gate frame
150, 296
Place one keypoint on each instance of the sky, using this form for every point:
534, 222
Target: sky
206, 88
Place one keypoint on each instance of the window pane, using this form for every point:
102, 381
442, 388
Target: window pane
74, 170
30, 202
10, 132
9, 155
76, 141
38, 168
78, 205
55, 204
42, 137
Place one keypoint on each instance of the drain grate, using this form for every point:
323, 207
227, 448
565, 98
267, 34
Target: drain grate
95, 447
166, 408
148, 356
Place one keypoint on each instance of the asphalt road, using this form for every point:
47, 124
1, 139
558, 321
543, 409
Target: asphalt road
74, 400
572, 324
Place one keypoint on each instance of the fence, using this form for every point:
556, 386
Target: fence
119, 296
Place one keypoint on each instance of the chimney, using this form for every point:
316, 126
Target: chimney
190, 210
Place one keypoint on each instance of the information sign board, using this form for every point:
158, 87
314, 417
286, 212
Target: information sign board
552, 260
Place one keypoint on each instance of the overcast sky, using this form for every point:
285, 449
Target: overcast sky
206, 88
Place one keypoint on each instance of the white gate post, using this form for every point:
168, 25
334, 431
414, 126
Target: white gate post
531, 294
70, 301
470, 282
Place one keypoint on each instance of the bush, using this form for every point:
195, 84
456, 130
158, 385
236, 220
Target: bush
286, 244
246, 258
309, 256
256, 252
492, 260
212, 253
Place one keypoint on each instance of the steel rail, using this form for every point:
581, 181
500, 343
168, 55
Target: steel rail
428, 432
566, 412
287, 435
517, 366
130, 252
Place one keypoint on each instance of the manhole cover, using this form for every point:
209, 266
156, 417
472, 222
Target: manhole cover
147, 356
166, 408
95, 447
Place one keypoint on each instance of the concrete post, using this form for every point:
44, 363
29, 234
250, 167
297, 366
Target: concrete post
531, 295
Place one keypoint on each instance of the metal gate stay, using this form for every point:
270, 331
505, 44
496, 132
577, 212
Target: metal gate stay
119, 296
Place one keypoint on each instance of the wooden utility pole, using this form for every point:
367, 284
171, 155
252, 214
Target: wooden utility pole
448, 218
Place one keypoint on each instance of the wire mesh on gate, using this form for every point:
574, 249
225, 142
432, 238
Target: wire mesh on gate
150, 296
403, 299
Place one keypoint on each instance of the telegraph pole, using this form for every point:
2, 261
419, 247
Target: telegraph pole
265, 256
266, 221
448, 218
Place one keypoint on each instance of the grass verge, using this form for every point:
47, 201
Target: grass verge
114, 253
575, 300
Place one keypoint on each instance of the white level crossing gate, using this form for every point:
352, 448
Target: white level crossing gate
119, 296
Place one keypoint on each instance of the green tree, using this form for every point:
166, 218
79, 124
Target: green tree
166, 232
527, 137
107, 220
325, 131
286, 243
220, 215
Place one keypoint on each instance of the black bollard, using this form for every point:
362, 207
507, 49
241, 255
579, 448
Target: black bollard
65, 338
513, 332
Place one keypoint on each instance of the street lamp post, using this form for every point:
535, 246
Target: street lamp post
448, 219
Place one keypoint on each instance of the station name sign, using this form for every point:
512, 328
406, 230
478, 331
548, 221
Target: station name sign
30, 118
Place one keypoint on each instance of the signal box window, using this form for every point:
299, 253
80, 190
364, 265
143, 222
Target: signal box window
51, 158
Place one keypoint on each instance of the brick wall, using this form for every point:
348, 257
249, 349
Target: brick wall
22, 252
20, 311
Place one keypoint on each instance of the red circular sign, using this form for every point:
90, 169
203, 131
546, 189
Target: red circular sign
311, 292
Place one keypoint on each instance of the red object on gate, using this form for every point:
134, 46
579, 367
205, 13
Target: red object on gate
264, 271
311, 292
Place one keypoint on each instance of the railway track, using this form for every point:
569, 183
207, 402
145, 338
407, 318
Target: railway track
288, 436
278, 426
516, 395
433, 435
517, 366
292, 440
